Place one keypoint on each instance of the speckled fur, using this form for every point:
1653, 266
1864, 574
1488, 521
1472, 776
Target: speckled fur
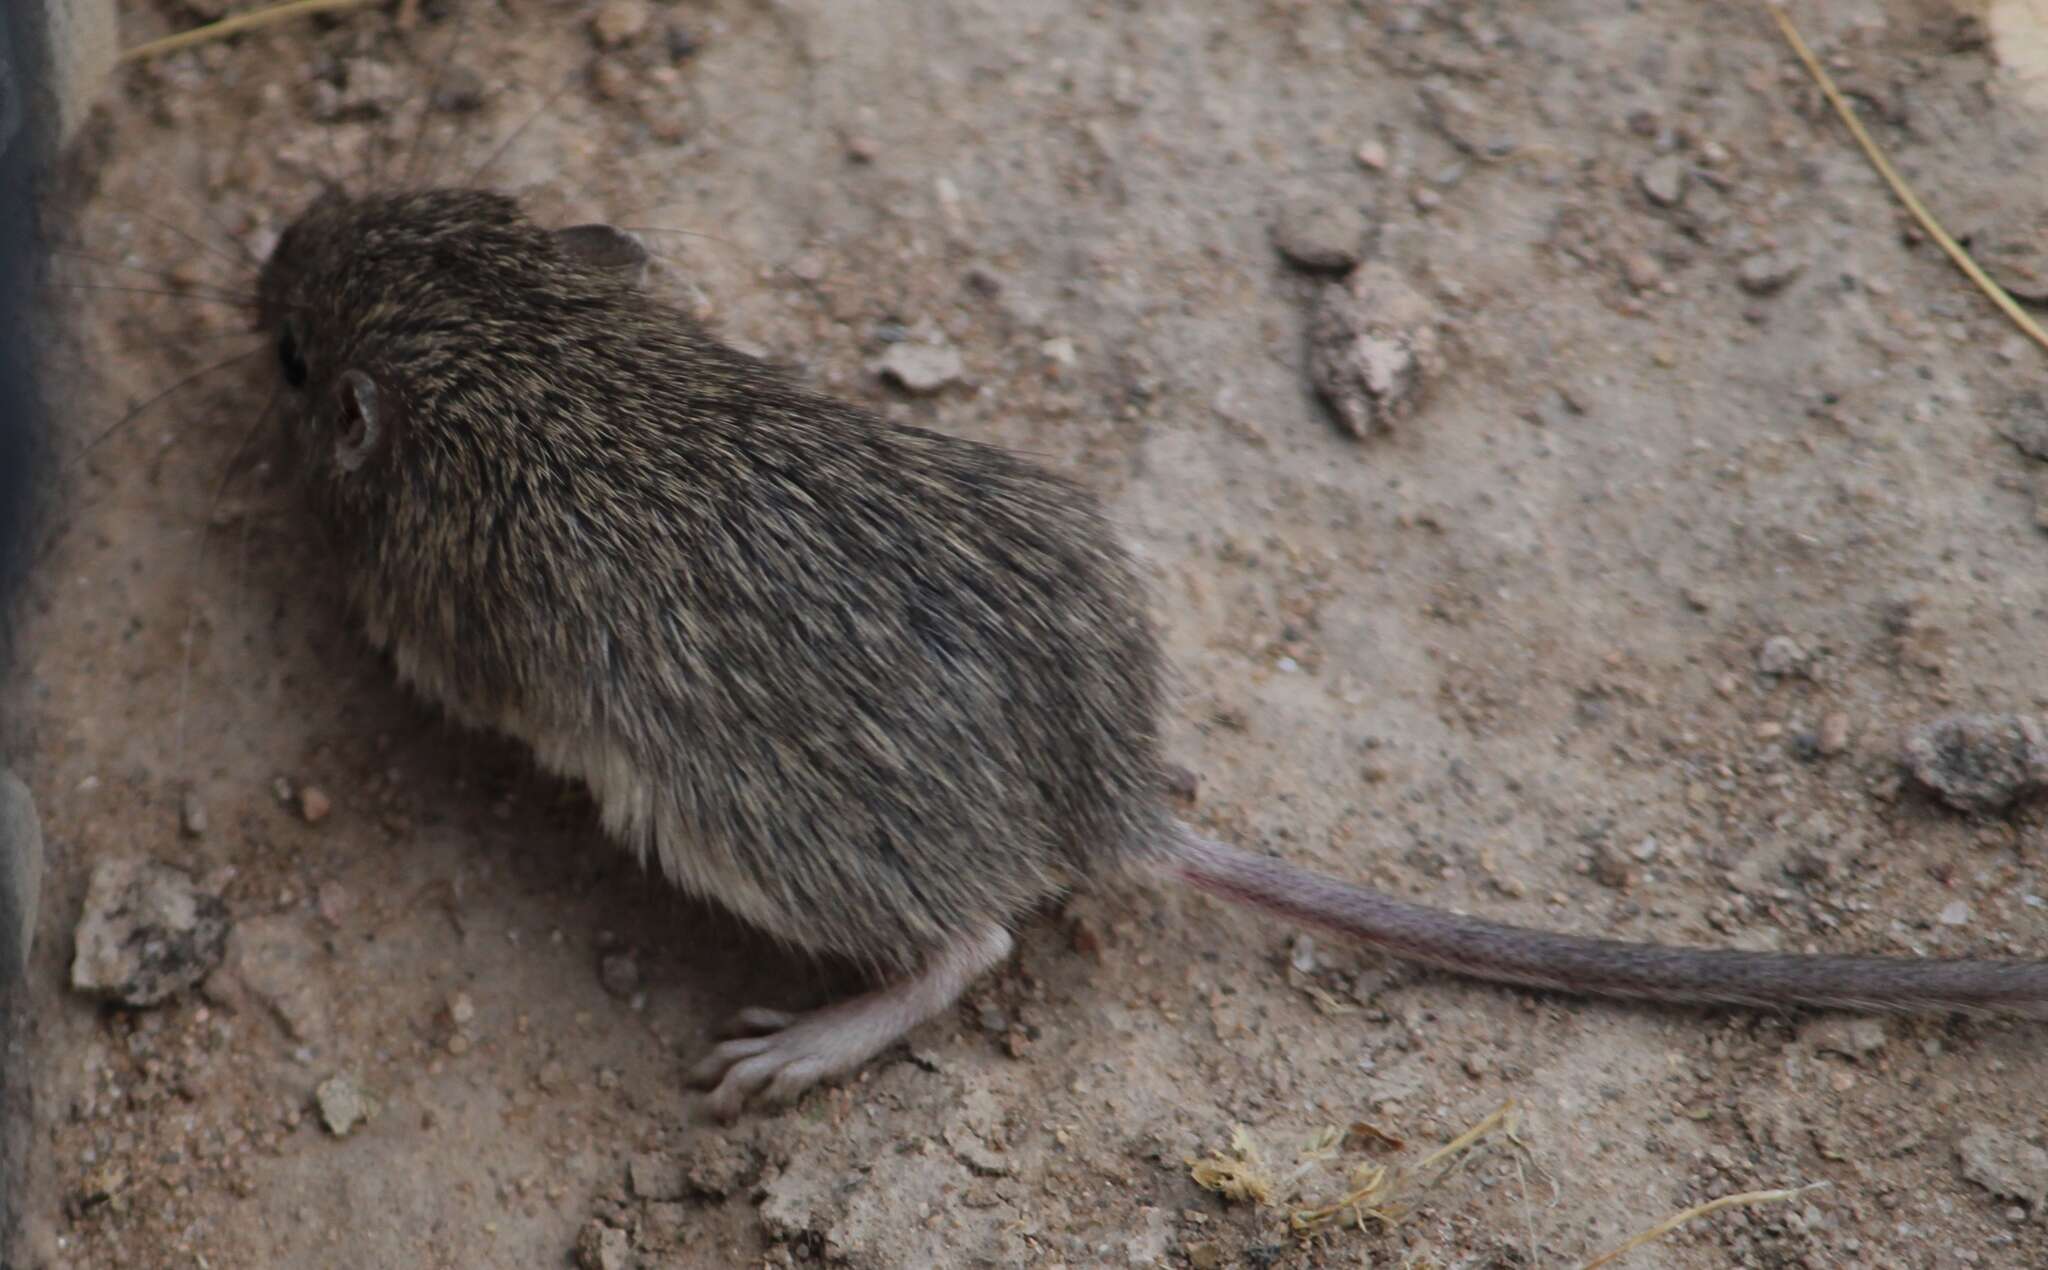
871, 687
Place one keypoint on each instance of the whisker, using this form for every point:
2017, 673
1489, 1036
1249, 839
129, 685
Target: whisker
72, 463
211, 292
206, 214
244, 302
816, 292
248, 256
419, 134
568, 82
742, 248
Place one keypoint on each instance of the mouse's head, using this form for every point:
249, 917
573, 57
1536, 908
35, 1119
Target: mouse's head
388, 311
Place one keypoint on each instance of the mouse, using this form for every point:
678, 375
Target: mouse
876, 690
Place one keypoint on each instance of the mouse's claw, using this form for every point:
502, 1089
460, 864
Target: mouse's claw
771, 1056
768, 1069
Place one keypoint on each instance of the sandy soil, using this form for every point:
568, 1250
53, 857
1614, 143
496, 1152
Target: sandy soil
1509, 656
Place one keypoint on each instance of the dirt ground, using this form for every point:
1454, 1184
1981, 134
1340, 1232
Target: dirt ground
1618, 631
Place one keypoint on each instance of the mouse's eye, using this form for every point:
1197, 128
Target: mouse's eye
289, 359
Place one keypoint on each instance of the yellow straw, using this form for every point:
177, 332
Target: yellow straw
1884, 168
239, 22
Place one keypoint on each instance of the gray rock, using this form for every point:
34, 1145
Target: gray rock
192, 815
1663, 180
21, 875
2013, 249
1979, 763
2004, 1164
1767, 272
602, 1247
1460, 121
919, 368
2025, 424
1372, 348
718, 1165
1321, 233
1780, 655
655, 1176
1852, 1038
146, 932
343, 1103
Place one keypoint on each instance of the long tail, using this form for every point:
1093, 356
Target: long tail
1605, 967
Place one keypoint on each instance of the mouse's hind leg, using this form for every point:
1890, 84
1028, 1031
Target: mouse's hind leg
785, 1054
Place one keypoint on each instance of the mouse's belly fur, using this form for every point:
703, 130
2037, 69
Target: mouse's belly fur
784, 886
626, 794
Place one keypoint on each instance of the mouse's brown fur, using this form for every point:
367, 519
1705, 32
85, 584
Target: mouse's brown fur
876, 689
871, 687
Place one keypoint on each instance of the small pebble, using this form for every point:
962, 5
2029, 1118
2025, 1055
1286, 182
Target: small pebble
1955, 913
146, 932
2024, 422
620, 974
1373, 348
1979, 763
332, 901
1834, 733
1646, 850
461, 1009
1321, 233
602, 1247
1372, 156
619, 22
1767, 272
1301, 954
1459, 119
2014, 252
191, 815
1611, 868
2004, 1164
1207, 1255
919, 368
1780, 655
655, 1176
1857, 1038
314, 804
1641, 271
1663, 180
343, 1104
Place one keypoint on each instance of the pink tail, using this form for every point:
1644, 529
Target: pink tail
1606, 967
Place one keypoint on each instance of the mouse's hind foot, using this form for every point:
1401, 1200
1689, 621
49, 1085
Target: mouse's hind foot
771, 1056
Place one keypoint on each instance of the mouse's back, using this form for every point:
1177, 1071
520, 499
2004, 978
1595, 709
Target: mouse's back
868, 685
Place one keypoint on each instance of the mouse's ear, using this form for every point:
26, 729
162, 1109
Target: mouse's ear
359, 422
604, 247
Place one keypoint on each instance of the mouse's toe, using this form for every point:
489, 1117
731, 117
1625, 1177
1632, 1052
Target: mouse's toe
779, 1061
772, 1057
